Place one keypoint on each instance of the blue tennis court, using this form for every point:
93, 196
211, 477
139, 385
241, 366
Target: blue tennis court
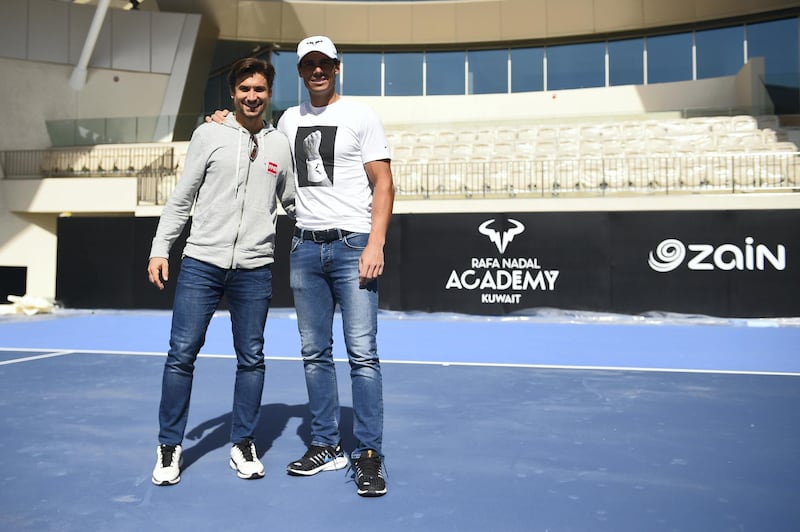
553, 422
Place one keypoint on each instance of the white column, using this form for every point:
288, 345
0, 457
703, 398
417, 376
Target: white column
78, 78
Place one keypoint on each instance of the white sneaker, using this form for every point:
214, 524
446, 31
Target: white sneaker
168, 465
245, 461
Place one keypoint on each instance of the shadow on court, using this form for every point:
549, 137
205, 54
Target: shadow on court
215, 433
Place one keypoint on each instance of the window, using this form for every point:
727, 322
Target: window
669, 58
287, 85
626, 62
445, 72
216, 93
720, 52
527, 69
488, 71
655, 59
777, 43
360, 74
403, 74
573, 66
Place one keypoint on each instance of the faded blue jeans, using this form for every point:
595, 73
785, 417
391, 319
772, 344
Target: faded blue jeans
324, 275
198, 292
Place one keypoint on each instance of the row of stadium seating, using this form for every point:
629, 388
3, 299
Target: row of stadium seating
747, 172
607, 139
723, 153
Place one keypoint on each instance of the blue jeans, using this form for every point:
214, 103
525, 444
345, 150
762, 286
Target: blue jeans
322, 276
197, 294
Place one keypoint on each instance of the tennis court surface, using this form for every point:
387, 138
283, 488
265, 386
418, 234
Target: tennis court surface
553, 422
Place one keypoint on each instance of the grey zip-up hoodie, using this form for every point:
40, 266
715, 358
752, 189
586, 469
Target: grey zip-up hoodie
235, 208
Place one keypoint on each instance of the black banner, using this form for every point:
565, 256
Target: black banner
718, 263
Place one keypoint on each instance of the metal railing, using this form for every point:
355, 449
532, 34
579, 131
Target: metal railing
746, 172
156, 168
95, 161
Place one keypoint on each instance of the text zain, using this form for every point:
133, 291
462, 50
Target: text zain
730, 257
671, 253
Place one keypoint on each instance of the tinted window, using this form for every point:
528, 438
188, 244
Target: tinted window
488, 71
216, 93
669, 58
287, 84
403, 73
777, 43
720, 52
361, 74
527, 69
445, 72
626, 62
573, 66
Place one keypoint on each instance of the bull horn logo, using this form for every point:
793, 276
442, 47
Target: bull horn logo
501, 239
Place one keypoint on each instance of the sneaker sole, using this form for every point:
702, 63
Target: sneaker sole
368, 493
340, 462
166, 482
253, 476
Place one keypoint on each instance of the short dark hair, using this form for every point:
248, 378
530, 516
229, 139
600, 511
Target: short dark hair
248, 66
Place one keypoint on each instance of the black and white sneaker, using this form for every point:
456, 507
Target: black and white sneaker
245, 461
168, 465
369, 474
318, 459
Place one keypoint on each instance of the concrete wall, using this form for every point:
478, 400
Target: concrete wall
464, 21
36, 92
29, 211
142, 66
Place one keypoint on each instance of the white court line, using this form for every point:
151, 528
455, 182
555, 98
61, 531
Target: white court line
108, 352
131, 353
37, 357
418, 362
595, 368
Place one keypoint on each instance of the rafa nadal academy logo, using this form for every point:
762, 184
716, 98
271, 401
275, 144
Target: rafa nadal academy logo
501, 239
505, 279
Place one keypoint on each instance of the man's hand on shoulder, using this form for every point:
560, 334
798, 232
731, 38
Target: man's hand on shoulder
218, 116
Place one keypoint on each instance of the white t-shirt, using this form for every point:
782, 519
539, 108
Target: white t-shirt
331, 145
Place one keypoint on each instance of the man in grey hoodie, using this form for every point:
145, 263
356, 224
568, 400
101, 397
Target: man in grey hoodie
233, 177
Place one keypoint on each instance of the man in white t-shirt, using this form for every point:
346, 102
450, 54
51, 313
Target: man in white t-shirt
344, 203
344, 200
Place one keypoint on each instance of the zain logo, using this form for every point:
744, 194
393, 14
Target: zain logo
671, 253
501, 239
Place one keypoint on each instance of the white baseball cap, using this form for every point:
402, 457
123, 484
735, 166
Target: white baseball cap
317, 43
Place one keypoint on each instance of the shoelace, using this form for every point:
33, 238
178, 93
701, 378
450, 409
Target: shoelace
167, 452
246, 448
369, 467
